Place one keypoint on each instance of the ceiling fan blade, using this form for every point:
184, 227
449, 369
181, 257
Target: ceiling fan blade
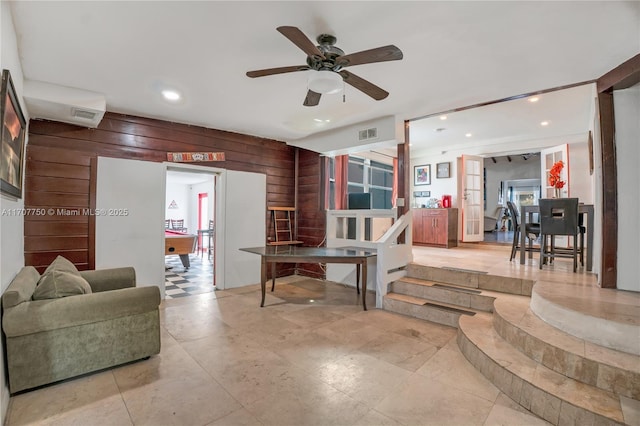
364, 86
380, 54
298, 38
312, 98
272, 71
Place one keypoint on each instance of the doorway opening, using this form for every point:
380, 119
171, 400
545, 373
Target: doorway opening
190, 204
514, 178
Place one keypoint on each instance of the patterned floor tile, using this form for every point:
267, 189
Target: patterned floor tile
197, 279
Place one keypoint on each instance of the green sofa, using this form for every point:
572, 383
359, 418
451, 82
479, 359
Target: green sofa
64, 335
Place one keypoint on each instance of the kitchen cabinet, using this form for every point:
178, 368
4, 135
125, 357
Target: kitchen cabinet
435, 227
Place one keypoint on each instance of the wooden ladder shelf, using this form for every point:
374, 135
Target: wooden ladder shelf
283, 232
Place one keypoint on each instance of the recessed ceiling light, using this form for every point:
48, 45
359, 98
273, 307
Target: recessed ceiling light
443, 117
319, 120
171, 95
468, 135
534, 99
544, 123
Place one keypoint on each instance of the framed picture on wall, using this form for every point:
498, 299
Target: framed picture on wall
422, 175
443, 170
13, 136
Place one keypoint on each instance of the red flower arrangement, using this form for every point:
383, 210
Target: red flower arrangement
554, 175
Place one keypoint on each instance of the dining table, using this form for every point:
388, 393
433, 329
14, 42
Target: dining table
295, 254
526, 215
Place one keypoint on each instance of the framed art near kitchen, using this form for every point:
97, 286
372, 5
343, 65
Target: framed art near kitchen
422, 175
13, 137
443, 170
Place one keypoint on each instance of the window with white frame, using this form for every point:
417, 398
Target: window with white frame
365, 175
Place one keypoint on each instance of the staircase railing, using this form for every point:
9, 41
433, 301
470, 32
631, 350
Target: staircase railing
371, 229
393, 257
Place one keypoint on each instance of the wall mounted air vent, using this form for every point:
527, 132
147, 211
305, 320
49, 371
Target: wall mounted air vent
367, 134
65, 104
84, 114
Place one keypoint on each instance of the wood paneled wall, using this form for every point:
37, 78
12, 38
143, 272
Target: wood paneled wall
311, 214
58, 173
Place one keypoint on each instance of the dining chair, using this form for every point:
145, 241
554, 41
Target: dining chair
178, 225
559, 216
167, 223
532, 231
210, 238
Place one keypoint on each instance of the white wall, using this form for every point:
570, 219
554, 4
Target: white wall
627, 110
135, 237
345, 139
11, 227
180, 193
597, 190
240, 223
200, 188
580, 181
438, 187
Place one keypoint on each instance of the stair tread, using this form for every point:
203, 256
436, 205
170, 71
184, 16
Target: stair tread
518, 313
406, 298
478, 280
479, 330
420, 301
430, 283
455, 287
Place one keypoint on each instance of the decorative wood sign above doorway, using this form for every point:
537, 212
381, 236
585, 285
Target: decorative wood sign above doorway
192, 157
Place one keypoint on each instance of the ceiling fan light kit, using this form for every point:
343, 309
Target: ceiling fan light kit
328, 63
325, 82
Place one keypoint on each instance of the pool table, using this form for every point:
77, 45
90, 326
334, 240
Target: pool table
180, 243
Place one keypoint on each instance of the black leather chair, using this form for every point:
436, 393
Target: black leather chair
559, 216
532, 231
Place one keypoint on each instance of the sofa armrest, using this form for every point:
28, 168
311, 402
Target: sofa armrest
44, 315
110, 279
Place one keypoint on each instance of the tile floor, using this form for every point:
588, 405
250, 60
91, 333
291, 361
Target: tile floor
499, 237
225, 361
197, 279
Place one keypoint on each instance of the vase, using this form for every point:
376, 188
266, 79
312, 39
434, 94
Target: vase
556, 192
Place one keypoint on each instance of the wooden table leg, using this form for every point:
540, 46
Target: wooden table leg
364, 284
273, 276
358, 278
263, 278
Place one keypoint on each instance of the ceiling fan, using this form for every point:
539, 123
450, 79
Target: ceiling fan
329, 61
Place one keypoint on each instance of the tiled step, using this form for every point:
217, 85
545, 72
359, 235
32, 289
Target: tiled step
554, 397
445, 293
471, 279
595, 365
612, 322
416, 307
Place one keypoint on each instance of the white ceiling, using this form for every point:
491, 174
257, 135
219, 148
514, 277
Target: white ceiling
508, 127
455, 54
